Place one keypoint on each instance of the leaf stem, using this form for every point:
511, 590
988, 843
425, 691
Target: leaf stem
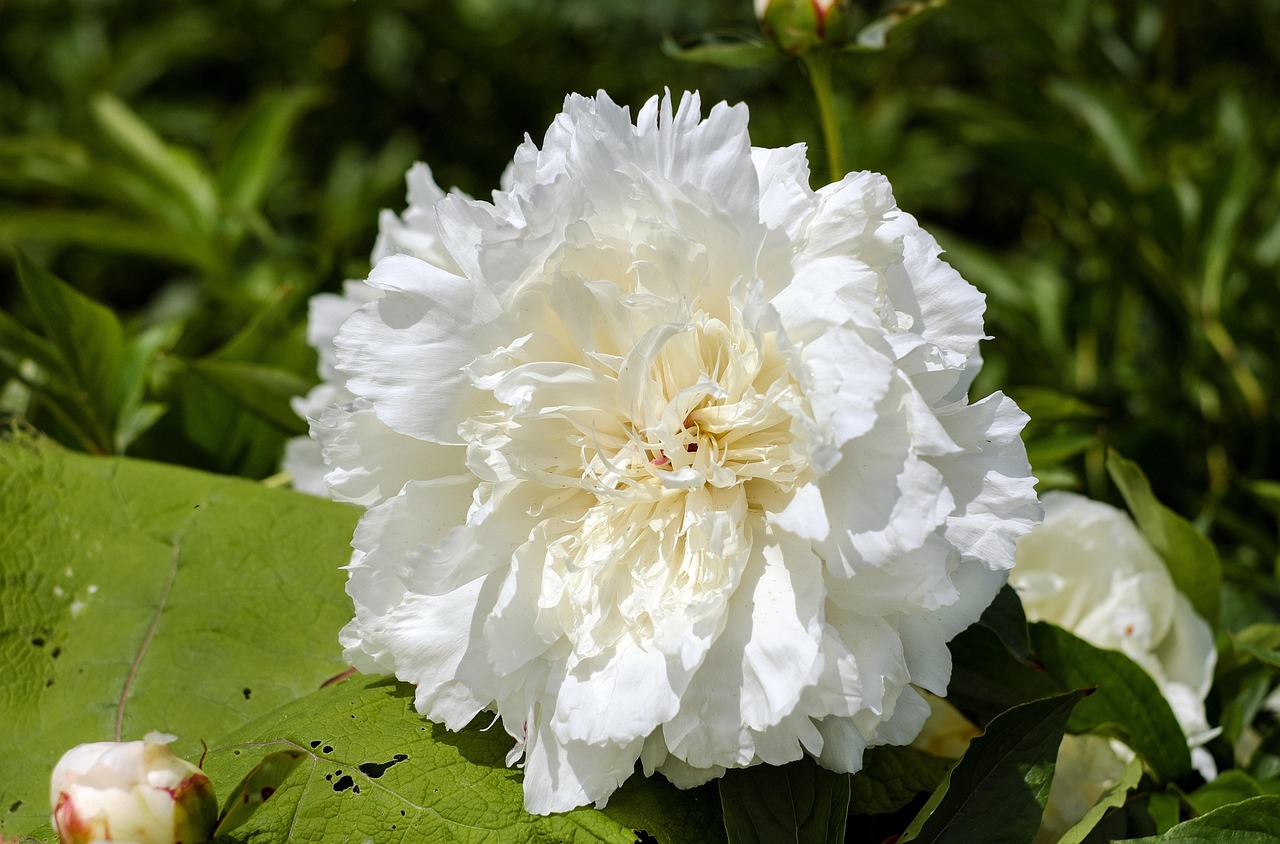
818, 63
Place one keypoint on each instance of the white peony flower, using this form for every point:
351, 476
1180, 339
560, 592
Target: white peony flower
133, 791
1090, 571
412, 233
669, 458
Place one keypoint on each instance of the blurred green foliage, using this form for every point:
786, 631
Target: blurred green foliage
1106, 172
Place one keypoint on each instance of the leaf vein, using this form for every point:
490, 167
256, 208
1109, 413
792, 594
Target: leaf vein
146, 640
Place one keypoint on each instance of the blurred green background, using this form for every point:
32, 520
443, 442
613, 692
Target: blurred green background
1106, 172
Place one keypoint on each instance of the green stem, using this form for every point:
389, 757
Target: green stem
818, 63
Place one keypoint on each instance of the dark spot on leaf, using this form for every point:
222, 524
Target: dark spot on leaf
57, 652
343, 784
38, 642
315, 744
235, 753
329, 777
266, 792
328, 748
373, 770
402, 813
16, 806
356, 789
48, 683
247, 693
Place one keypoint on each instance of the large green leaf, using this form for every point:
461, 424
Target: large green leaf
137, 597
986, 677
1189, 555
996, 792
392, 776
801, 802
1128, 704
1008, 621
1254, 821
891, 777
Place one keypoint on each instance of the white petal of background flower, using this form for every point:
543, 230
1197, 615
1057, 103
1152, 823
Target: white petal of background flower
1089, 570
668, 456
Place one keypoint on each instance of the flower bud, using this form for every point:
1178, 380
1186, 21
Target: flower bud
135, 791
797, 26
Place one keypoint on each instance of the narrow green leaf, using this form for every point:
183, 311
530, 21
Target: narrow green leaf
17, 340
255, 153
61, 399
1260, 641
167, 165
1110, 125
138, 360
1253, 821
396, 778
136, 422
1051, 449
1230, 787
87, 335
263, 389
1128, 704
733, 52
801, 802
1268, 492
1112, 798
104, 230
136, 596
997, 791
891, 777
1223, 236
1048, 407
1190, 557
257, 787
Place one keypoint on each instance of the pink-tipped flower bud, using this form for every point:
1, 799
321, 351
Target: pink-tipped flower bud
135, 791
797, 26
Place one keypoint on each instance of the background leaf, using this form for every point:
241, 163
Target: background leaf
1254, 821
264, 389
255, 153
996, 792
88, 337
1190, 556
801, 802
1128, 704
392, 776
1113, 797
137, 597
